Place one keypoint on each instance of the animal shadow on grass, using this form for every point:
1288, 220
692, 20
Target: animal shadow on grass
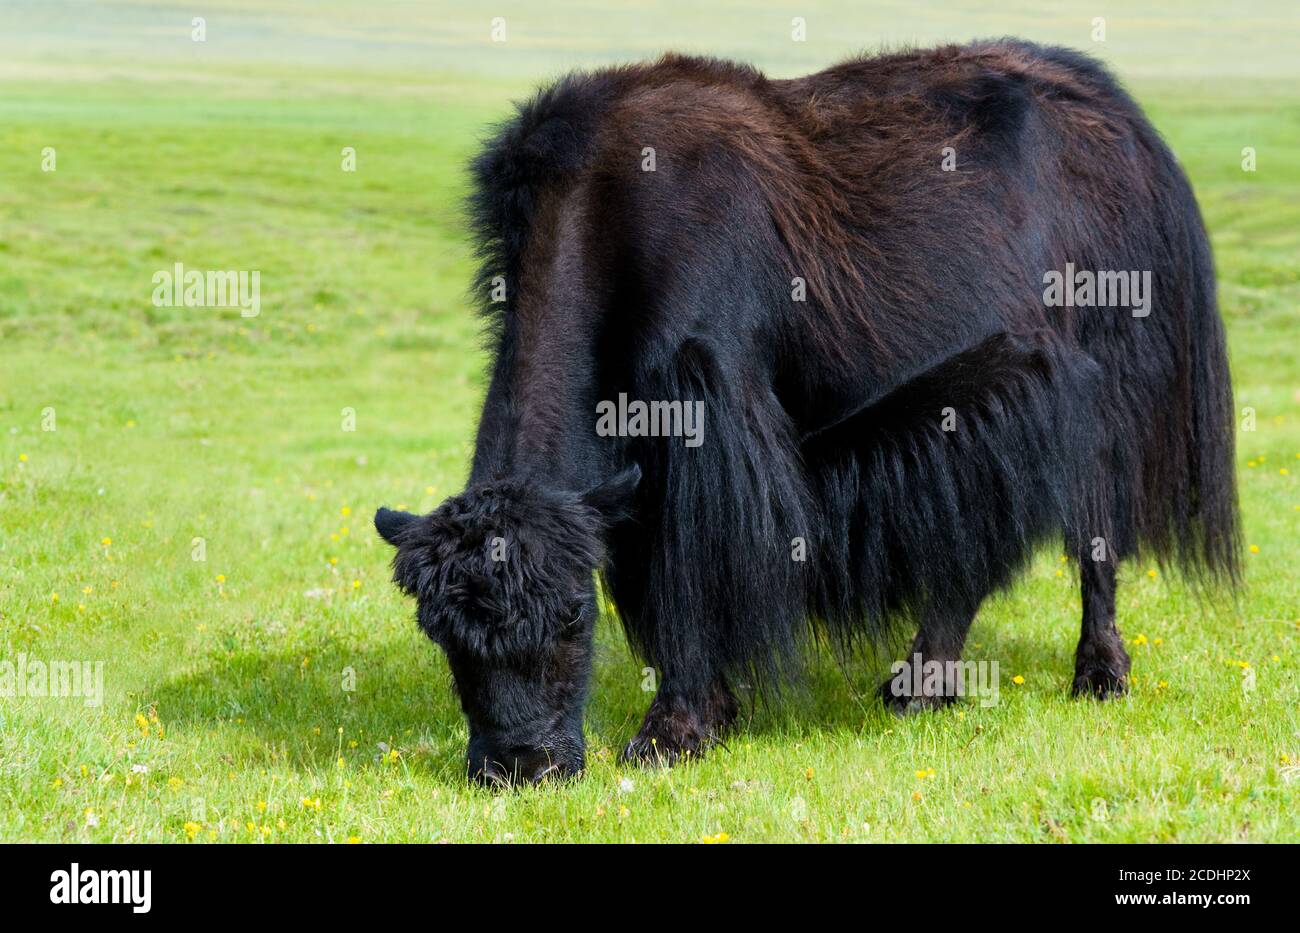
286, 708
835, 694
287, 713
841, 695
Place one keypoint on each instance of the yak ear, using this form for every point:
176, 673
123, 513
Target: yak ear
613, 497
391, 524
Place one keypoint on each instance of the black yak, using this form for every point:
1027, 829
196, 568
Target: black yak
866, 279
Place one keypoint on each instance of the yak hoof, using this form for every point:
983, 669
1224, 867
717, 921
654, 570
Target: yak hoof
1101, 668
1100, 681
659, 751
905, 704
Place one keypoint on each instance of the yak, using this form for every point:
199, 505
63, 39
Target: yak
860, 277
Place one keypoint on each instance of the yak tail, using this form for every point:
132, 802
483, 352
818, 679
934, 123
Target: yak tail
1189, 486
1215, 475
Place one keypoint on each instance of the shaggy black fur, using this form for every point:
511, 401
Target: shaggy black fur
915, 428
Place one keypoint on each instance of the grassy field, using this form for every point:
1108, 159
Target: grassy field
134, 439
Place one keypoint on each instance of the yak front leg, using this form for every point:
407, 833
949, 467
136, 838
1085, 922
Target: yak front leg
682, 722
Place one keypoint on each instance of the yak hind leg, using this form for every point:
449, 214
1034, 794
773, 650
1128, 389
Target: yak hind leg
1101, 664
682, 722
931, 675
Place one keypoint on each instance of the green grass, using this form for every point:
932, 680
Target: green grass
177, 424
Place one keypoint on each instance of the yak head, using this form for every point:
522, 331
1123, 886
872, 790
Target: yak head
503, 578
